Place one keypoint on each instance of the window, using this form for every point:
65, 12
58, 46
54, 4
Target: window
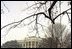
36, 43
23, 44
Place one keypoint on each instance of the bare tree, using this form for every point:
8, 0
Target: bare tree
67, 41
55, 40
56, 31
46, 43
47, 13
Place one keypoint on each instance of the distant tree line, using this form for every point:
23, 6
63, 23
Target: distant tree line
11, 44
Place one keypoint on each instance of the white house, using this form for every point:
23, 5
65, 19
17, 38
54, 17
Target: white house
30, 42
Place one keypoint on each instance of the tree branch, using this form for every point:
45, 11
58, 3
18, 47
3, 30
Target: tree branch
68, 17
16, 22
35, 4
49, 17
5, 6
61, 14
27, 18
49, 10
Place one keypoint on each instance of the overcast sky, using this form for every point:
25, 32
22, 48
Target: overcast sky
16, 13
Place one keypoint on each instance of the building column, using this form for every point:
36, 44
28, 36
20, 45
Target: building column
35, 44
31, 44
25, 44
28, 44
22, 45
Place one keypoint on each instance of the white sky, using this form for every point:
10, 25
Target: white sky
16, 14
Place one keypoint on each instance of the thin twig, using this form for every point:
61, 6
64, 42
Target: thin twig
68, 17
61, 13
5, 6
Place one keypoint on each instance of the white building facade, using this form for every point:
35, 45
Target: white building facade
30, 42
